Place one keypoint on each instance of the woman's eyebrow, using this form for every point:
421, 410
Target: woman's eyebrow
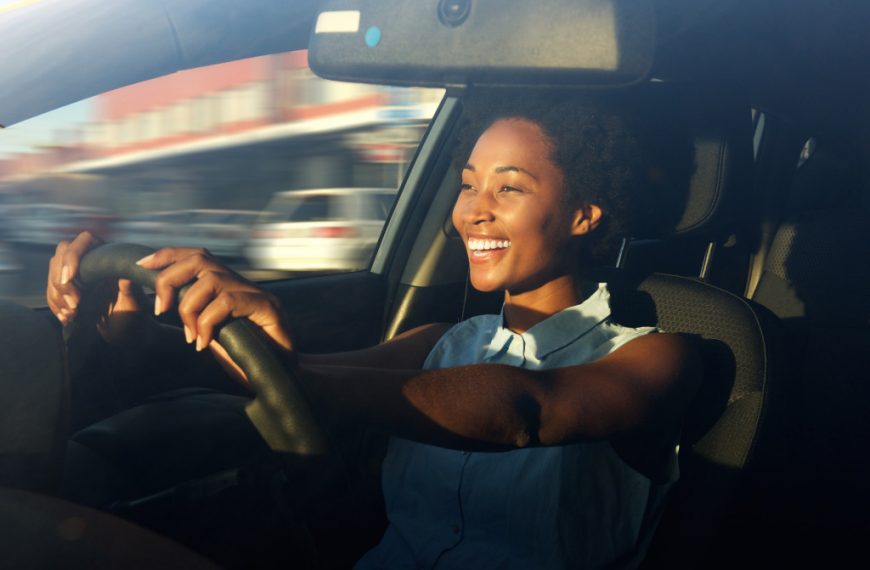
511, 168
501, 169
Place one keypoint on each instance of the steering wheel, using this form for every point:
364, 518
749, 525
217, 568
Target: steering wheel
278, 411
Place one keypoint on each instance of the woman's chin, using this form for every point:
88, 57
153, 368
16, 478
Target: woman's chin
485, 284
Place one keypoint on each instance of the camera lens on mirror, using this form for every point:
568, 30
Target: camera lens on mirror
453, 12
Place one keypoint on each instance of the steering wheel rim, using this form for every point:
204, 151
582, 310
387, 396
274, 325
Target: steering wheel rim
279, 411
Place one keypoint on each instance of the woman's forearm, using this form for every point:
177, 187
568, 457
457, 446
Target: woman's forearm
483, 407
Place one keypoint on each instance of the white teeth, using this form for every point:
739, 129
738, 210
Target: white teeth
476, 244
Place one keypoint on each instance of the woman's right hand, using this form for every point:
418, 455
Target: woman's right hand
117, 304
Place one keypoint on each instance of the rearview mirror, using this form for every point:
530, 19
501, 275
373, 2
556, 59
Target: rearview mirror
442, 43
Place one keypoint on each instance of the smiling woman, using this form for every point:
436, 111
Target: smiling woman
543, 421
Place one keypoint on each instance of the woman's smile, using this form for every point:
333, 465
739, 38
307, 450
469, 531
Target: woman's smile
483, 249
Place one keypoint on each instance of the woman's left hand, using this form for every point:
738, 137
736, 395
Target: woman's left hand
216, 294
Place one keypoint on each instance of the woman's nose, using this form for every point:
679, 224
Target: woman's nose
480, 208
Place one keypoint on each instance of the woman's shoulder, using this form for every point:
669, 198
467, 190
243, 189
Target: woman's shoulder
461, 342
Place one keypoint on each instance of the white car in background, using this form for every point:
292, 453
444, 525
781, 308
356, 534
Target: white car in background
329, 229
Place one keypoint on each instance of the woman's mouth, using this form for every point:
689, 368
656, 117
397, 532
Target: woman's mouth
484, 249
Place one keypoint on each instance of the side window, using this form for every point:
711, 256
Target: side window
315, 208
257, 160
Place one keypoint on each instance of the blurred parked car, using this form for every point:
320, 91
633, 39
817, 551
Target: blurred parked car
47, 224
223, 232
318, 230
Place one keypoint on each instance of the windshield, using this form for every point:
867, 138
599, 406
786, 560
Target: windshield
199, 158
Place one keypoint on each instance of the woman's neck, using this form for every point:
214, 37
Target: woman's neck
524, 310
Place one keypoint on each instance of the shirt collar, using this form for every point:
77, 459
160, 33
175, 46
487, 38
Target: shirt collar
556, 331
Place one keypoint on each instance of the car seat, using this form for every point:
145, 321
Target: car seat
815, 278
728, 449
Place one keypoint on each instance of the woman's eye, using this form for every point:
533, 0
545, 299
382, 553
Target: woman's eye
464, 187
510, 189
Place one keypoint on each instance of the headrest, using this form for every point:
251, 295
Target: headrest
718, 131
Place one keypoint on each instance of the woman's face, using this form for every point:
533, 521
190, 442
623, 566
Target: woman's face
510, 211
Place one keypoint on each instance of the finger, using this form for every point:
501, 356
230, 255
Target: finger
221, 308
168, 255
52, 296
73, 254
198, 296
178, 274
52, 291
129, 297
63, 300
257, 306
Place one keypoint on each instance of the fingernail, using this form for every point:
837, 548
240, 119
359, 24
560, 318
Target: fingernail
199, 344
158, 305
64, 275
146, 259
70, 301
188, 334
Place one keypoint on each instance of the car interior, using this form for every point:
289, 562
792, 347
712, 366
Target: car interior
760, 259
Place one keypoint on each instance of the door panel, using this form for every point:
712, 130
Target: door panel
333, 313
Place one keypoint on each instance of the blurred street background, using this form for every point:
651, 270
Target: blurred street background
266, 165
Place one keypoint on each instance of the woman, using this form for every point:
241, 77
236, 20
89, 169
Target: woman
543, 437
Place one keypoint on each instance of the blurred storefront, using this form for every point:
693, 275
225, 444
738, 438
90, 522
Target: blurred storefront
228, 136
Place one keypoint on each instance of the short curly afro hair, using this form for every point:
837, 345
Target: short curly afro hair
608, 151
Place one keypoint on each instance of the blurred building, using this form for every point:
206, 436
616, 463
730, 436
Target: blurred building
229, 136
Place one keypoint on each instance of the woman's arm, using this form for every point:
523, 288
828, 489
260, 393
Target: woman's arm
642, 387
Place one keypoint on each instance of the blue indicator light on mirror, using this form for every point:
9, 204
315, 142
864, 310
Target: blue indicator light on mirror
373, 36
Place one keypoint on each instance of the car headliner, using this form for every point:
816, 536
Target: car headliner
800, 59
57, 52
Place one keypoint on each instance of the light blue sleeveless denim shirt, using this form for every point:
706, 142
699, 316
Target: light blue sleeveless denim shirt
572, 506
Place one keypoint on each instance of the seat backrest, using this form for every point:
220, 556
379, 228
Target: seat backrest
733, 425
815, 278
33, 400
732, 417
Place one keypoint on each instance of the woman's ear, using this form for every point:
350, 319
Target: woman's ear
585, 220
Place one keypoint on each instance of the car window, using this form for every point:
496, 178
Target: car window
312, 209
209, 157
